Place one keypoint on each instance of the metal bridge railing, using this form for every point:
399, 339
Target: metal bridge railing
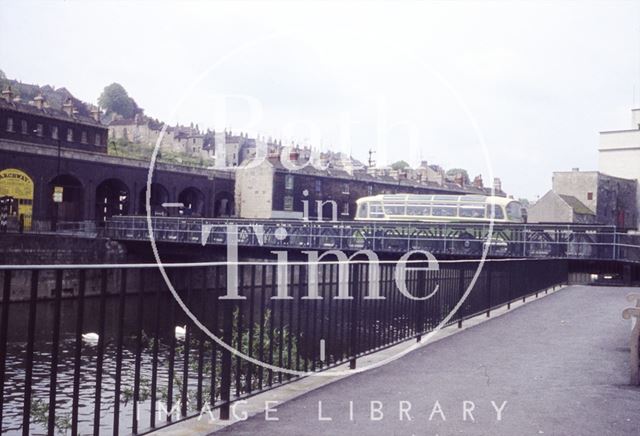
537, 241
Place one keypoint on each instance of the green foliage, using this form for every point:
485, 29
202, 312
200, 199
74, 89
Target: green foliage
400, 165
455, 171
241, 340
133, 150
3, 76
40, 415
114, 98
279, 345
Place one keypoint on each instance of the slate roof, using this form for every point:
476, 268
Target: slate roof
575, 204
50, 112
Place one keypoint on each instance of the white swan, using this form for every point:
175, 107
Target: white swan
90, 337
180, 331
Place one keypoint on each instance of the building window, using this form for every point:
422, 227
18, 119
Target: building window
54, 132
369, 189
83, 137
9, 124
24, 127
288, 182
318, 186
39, 129
69, 135
97, 139
589, 195
288, 202
345, 188
345, 208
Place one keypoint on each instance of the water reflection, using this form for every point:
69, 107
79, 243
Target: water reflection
16, 355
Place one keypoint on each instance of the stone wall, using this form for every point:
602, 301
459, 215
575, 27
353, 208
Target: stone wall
612, 199
254, 192
35, 249
550, 209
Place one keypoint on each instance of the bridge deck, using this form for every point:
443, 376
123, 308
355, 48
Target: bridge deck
461, 239
561, 363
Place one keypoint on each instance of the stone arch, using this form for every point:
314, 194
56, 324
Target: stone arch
223, 205
17, 189
66, 198
193, 201
159, 195
112, 199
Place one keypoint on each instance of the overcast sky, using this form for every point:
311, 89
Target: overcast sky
536, 81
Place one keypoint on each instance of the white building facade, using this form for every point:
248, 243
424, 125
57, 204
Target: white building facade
619, 153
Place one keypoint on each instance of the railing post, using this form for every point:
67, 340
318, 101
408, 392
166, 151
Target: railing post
488, 284
4, 325
509, 283
225, 382
55, 342
419, 314
355, 286
460, 294
524, 292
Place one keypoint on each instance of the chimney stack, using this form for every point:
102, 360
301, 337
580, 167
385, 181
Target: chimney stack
497, 184
7, 94
39, 101
95, 113
68, 107
477, 182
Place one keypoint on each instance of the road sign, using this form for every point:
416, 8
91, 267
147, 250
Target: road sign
57, 194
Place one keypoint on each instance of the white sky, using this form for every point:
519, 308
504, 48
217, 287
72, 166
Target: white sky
540, 79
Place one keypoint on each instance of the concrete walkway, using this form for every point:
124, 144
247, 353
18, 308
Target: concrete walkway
560, 363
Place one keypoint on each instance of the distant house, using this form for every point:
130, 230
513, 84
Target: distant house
612, 199
558, 208
144, 130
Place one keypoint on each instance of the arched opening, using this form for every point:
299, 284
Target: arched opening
159, 195
223, 205
193, 201
16, 193
112, 199
66, 197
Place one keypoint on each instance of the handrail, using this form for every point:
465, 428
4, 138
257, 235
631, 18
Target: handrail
508, 240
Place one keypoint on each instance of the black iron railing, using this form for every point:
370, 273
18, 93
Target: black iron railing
107, 349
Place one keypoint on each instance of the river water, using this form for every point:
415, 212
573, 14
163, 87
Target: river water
16, 355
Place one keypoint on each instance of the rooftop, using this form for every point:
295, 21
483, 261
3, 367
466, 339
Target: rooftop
575, 204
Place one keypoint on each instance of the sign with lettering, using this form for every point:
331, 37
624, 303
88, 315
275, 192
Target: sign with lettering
57, 194
17, 184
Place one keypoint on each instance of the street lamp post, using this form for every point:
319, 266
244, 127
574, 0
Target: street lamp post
54, 221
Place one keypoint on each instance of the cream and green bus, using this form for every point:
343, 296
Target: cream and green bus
438, 208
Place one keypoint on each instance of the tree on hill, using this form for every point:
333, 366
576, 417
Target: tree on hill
453, 172
114, 98
3, 76
400, 165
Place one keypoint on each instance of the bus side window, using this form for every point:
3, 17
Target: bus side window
375, 210
499, 213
